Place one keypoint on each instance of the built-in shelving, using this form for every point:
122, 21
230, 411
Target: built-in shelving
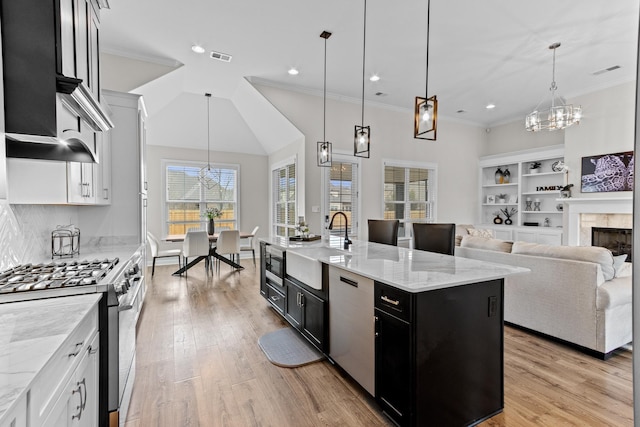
541, 188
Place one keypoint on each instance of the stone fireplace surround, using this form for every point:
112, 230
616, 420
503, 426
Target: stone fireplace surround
584, 213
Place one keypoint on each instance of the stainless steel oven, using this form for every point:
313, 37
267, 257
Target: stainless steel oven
129, 290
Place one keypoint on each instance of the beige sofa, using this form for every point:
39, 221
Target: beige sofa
574, 294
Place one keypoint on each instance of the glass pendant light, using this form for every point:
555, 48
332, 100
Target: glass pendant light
205, 176
362, 134
426, 109
559, 115
324, 146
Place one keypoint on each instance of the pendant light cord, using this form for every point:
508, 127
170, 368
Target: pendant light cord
324, 106
364, 49
426, 85
208, 95
554, 86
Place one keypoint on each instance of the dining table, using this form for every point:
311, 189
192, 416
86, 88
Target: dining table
213, 238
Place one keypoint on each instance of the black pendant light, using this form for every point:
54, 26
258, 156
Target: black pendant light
205, 176
426, 109
362, 134
324, 146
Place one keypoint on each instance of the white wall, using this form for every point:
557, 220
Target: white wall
456, 152
253, 191
514, 137
608, 127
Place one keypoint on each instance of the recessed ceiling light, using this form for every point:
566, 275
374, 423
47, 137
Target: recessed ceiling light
293, 71
374, 78
197, 48
490, 106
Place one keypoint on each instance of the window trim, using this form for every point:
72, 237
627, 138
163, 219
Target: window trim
274, 167
342, 157
418, 165
190, 163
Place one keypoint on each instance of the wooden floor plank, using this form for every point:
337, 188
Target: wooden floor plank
199, 364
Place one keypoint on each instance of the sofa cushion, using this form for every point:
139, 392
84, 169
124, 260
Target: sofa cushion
496, 245
614, 293
593, 254
462, 230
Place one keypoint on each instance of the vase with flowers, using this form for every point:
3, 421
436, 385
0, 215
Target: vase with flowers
212, 214
303, 228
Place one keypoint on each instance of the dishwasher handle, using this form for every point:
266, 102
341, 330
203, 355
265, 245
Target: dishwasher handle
349, 281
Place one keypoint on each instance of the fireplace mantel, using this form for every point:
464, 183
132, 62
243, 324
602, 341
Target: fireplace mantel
590, 205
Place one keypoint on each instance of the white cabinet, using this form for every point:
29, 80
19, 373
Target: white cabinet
16, 417
102, 170
80, 183
78, 402
528, 194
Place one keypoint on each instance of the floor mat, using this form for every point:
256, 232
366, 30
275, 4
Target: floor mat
286, 348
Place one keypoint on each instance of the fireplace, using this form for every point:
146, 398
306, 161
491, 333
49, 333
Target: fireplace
617, 240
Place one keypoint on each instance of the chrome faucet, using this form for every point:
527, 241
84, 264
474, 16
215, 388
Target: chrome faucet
347, 242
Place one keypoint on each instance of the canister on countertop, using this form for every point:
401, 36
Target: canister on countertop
65, 241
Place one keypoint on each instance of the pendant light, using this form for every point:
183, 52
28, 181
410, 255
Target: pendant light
426, 109
558, 115
362, 134
324, 146
205, 176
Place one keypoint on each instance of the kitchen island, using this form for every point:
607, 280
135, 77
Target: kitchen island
420, 331
46, 345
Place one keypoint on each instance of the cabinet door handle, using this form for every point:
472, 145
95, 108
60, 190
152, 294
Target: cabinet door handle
83, 403
349, 281
389, 300
77, 349
301, 300
106, 193
274, 298
92, 350
78, 415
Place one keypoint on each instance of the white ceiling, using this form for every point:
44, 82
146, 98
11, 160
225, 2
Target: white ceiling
481, 51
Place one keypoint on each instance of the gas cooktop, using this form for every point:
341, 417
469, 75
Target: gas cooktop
54, 275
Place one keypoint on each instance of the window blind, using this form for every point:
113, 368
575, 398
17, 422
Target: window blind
284, 200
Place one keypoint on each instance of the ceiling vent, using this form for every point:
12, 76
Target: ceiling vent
220, 56
381, 94
606, 70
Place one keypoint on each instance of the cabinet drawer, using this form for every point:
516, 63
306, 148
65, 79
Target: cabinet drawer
393, 301
56, 373
276, 299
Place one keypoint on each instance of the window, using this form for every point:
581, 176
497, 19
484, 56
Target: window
341, 195
284, 201
409, 193
186, 200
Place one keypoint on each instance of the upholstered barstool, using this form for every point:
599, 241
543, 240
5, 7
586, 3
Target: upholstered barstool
440, 238
384, 231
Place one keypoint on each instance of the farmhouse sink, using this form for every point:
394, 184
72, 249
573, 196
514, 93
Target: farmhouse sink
302, 264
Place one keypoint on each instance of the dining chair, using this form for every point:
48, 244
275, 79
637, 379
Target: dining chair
196, 243
384, 231
158, 252
440, 238
249, 245
228, 244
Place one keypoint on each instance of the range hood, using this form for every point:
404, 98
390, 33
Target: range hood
64, 144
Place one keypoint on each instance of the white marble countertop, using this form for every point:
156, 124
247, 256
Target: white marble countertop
408, 269
31, 332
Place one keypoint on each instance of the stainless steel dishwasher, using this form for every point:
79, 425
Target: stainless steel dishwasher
352, 326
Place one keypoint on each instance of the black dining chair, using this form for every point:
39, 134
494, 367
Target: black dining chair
384, 231
440, 238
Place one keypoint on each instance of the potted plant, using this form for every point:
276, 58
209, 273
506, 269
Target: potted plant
565, 192
534, 167
502, 198
211, 214
508, 213
303, 228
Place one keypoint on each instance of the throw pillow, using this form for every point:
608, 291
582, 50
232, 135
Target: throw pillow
480, 232
621, 268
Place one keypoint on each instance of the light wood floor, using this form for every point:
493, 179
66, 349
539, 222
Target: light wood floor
199, 364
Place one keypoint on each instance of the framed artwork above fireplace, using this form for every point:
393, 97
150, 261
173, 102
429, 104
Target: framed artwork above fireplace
607, 173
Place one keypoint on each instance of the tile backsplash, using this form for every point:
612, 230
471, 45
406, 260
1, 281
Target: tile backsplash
25, 231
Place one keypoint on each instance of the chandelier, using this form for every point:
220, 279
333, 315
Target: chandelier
206, 174
559, 115
362, 133
324, 146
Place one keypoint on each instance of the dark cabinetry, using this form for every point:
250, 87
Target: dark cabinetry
306, 312
304, 308
439, 354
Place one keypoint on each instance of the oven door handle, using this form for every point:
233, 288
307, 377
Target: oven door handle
128, 303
